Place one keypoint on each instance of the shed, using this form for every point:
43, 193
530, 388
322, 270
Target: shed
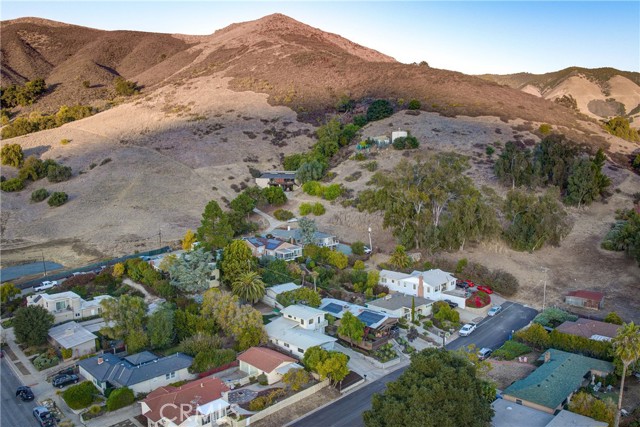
585, 299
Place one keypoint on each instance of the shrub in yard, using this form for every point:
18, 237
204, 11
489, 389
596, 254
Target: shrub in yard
296, 378
11, 185
45, 361
262, 379
283, 214
318, 209
39, 195
553, 317
614, 318
120, 398
210, 359
332, 192
80, 395
66, 353
357, 248
305, 209
312, 188
510, 350
478, 300
58, 199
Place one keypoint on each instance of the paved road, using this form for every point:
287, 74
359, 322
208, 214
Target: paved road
13, 411
492, 332
347, 412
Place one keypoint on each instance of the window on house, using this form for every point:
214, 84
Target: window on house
384, 280
300, 350
77, 314
414, 287
519, 402
302, 321
311, 321
286, 345
170, 375
61, 305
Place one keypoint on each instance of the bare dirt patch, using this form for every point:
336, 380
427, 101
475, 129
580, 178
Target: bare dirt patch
299, 409
504, 372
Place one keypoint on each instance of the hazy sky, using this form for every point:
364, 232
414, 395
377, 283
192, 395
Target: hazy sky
472, 37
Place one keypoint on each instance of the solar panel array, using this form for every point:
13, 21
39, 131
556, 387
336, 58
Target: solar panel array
333, 308
370, 318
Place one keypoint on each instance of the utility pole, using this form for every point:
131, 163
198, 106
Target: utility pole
544, 289
160, 236
44, 265
370, 245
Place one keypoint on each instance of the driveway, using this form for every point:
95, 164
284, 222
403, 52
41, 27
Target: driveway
492, 332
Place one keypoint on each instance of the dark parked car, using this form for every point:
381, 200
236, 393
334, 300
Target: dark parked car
24, 393
484, 353
451, 303
64, 379
44, 417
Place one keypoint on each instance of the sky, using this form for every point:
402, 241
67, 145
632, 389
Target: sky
473, 37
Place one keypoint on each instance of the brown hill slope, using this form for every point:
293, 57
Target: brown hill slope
599, 92
297, 65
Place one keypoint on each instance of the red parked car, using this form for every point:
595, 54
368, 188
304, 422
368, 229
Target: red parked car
485, 289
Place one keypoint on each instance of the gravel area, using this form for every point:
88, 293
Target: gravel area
299, 409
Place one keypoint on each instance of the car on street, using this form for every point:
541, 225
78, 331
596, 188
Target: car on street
47, 284
44, 417
64, 379
465, 284
467, 329
494, 310
484, 353
485, 289
451, 303
24, 393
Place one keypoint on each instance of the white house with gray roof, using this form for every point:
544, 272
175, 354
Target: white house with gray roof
324, 240
399, 305
142, 372
433, 284
74, 337
68, 305
299, 328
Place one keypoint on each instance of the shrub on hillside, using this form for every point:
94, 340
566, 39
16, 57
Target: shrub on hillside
39, 195
11, 185
312, 188
58, 199
414, 104
379, 109
318, 209
283, 214
357, 248
58, 173
125, 87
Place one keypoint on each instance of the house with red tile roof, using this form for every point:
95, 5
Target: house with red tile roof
261, 360
198, 403
592, 329
586, 299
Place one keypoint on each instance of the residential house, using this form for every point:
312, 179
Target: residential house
197, 403
592, 329
324, 240
273, 248
585, 299
284, 179
399, 305
508, 414
260, 360
433, 284
271, 293
299, 328
68, 305
381, 141
141, 372
74, 337
378, 326
398, 134
550, 387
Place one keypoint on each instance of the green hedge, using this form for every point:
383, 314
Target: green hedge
80, 395
120, 398
510, 350
210, 359
536, 336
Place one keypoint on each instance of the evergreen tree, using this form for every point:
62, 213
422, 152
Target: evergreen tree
215, 232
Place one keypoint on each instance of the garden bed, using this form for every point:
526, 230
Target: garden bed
385, 353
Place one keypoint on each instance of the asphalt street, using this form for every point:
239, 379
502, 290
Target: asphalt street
492, 332
13, 411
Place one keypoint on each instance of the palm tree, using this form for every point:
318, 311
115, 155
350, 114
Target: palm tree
399, 258
248, 286
626, 345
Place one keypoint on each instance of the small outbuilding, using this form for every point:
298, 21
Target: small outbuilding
73, 337
260, 360
585, 299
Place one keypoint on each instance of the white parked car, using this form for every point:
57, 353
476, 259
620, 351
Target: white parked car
47, 284
467, 329
367, 250
494, 310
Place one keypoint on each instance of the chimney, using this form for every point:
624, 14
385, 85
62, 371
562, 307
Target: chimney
68, 332
202, 385
288, 228
547, 356
100, 360
420, 286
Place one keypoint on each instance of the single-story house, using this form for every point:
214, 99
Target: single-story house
585, 299
435, 284
570, 419
324, 240
261, 360
74, 337
592, 329
508, 414
141, 372
68, 305
271, 293
399, 305
299, 328
378, 325
550, 386
284, 179
273, 248
198, 403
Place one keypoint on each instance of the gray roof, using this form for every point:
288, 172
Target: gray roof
397, 301
140, 358
509, 414
284, 287
289, 331
279, 174
296, 234
301, 311
71, 334
569, 419
123, 373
